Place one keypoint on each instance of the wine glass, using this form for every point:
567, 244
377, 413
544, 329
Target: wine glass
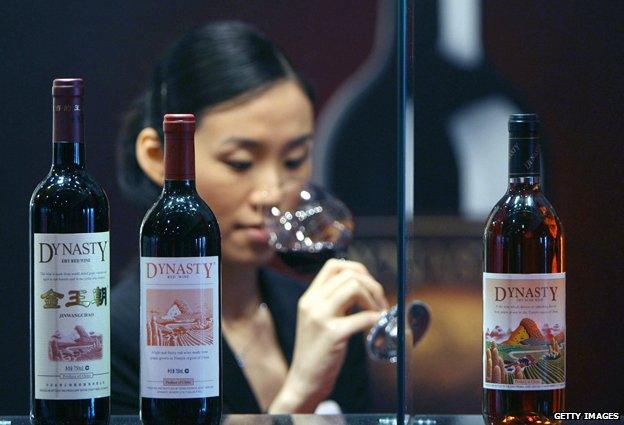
320, 227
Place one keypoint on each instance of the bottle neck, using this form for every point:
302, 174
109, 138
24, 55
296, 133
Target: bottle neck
179, 187
68, 119
179, 157
524, 159
66, 154
67, 130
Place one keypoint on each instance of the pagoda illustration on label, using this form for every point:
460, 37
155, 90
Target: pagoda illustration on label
179, 317
527, 355
79, 345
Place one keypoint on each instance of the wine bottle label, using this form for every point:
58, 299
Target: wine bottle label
524, 331
180, 327
71, 315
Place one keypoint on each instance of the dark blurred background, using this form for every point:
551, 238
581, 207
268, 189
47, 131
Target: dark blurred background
561, 59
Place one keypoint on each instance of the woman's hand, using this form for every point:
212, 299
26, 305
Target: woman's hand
325, 322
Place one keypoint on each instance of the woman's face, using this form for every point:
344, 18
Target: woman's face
250, 156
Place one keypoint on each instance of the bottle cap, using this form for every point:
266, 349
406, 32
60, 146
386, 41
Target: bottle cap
524, 125
67, 87
179, 123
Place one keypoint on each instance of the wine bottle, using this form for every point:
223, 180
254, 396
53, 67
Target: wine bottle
180, 293
524, 327
69, 278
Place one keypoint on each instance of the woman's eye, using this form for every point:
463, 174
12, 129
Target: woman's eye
293, 164
239, 165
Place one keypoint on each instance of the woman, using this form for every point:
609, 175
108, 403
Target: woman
286, 349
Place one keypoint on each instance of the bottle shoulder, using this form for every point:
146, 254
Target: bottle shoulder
68, 189
179, 216
521, 212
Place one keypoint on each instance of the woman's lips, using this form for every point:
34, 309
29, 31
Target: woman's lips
257, 234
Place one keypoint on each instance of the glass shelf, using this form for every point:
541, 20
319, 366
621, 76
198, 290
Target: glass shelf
367, 419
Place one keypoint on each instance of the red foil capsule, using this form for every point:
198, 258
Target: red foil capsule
179, 132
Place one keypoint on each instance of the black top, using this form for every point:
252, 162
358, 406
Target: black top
281, 294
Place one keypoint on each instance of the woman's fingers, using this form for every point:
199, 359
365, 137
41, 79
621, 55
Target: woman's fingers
350, 293
357, 322
333, 267
377, 290
365, 280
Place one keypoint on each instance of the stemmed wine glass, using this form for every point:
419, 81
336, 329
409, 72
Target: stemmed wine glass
318, 228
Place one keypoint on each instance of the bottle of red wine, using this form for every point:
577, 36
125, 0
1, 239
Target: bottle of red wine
180, 293
524, 325
69, 278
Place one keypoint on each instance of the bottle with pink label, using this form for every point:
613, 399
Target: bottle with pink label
180, 293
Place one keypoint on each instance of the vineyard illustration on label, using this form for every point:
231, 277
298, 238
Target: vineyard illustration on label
526, 355
179, 317
79, 345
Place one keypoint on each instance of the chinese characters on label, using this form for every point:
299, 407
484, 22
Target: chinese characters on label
76, 297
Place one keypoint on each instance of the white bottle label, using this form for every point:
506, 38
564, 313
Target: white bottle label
71, 315
180, 327
524, 331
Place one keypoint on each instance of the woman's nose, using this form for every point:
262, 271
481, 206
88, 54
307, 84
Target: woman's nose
266, 196
269, 190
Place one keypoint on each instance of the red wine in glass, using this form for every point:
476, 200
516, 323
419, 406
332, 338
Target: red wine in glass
318, 228
307, 262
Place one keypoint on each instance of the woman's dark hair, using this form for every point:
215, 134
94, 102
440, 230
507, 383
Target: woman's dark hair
209, 65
